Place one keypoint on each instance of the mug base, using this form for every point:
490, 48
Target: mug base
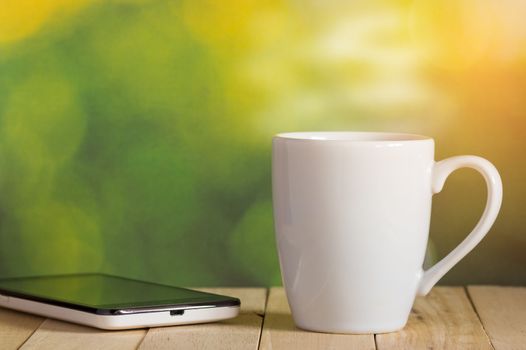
351, 330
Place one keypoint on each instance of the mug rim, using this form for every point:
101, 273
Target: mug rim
351, 136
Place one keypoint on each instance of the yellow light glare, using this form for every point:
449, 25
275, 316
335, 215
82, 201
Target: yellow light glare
20, 19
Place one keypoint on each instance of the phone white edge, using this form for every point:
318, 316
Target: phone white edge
126, 321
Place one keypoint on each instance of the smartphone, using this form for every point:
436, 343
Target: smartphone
111, 302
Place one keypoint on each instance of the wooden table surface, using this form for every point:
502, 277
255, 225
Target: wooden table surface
476, 317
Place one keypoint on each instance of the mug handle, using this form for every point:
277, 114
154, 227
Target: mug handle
441, 171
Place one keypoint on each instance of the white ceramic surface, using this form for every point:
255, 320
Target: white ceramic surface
352, 212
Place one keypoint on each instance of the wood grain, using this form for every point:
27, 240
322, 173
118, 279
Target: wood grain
279, 331
16, 327
56, 335
242, 332
444, 319
503, 314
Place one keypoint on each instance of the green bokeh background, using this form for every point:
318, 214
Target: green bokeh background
135, 135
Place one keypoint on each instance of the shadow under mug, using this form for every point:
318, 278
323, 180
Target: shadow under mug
352, 213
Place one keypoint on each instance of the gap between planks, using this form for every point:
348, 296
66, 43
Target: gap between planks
54, 334
445, 319
242, 332
16, 327
502, 311
279, 331
32, 332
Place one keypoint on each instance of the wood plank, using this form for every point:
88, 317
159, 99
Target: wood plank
242, 332
56, 335
444, 319
16, 327
279, 331
503, 314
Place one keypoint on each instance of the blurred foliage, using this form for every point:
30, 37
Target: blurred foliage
135, 134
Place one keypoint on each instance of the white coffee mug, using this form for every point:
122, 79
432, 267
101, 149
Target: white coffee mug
352, 212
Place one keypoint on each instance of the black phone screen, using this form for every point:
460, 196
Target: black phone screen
105, 294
